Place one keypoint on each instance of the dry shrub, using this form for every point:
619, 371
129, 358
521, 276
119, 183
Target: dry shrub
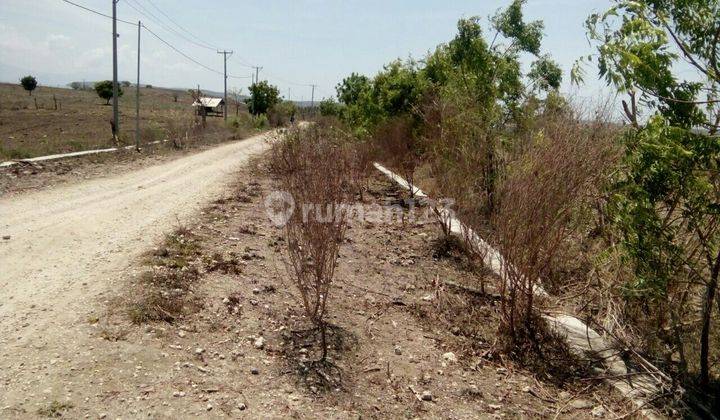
545, 192
462, 151
167, 292
315, 167
397, 147
183, 131
361, 160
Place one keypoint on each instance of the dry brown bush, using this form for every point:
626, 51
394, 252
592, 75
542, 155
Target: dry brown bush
315, 166
396, 146
462, 151
543, 195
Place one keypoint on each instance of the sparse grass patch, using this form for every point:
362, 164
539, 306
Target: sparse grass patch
218, 262
166, 292
448, 246
113, 333
55, 409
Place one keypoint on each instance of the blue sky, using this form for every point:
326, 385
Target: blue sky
297, 42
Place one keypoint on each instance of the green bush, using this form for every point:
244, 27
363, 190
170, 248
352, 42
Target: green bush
330, 108
242, 121
104, 90
281, 113
263, 97
260, 121
29, 83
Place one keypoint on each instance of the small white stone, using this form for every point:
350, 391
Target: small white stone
450, 357
259, 343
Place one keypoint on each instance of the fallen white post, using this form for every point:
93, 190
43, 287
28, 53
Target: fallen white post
72, 154
580, 338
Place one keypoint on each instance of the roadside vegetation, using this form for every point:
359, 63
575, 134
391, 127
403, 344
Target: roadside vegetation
616, 220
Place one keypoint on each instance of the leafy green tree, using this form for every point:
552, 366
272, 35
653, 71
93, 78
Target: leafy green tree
477, 90
29, 83
104, 90
641, 43
263, 96
396, 89
350, 89
393, 92
545, 74
664, 55
329, 107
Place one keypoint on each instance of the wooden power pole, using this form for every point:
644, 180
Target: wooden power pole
116, 117
137, 95
312, 97
225, 57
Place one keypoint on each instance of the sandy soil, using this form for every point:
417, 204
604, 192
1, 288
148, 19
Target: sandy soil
78, 255
61, 250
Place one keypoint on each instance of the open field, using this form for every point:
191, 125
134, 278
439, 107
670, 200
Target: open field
82, 120
392, 306
511, 216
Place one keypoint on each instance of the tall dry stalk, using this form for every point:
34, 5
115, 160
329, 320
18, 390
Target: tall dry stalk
543, 194
315, 169
397, 147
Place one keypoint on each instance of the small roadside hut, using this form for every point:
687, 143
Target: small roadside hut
212, 106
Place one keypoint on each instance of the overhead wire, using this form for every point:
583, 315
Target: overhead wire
180, 52
180, 26
152, 17
155, 19
98, 13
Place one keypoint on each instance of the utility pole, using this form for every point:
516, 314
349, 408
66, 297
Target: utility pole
225, 56
116, 117
257, 73
137, 96
312, 97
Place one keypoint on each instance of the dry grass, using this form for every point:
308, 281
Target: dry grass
166, 293
54, 409
82, 121
541, 198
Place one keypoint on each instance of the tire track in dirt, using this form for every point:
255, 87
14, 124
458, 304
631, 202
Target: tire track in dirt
67, 245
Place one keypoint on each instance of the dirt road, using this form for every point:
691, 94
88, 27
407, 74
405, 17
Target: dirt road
66, 246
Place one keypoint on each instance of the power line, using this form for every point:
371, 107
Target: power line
152, 33
179, 26
190, 58
206, 45
245, 64
286, 81
98, 13
177, 50
182, 53
157, 20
